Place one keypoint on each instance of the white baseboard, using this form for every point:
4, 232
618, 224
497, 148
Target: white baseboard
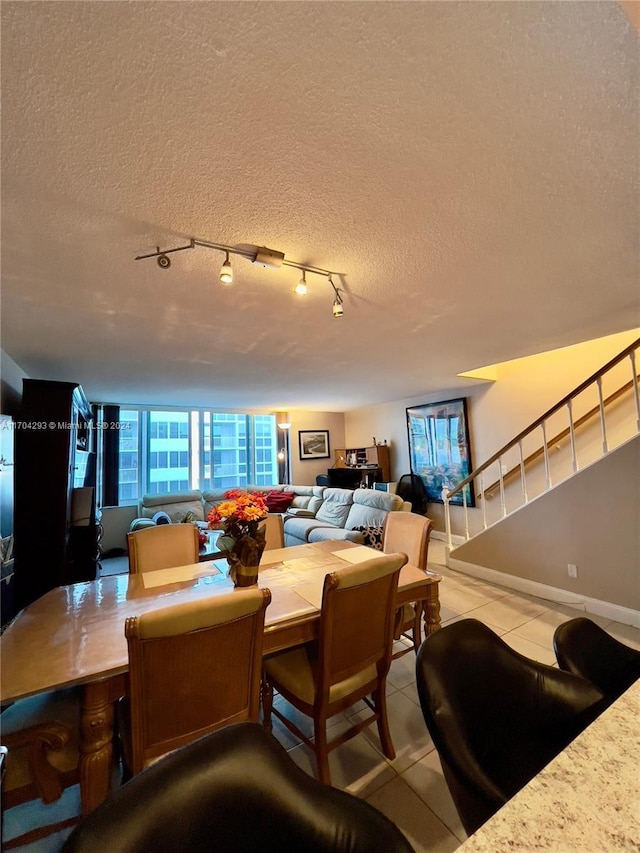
582, 603
442, 536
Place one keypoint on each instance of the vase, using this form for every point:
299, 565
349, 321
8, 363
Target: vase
242, 575
244, 557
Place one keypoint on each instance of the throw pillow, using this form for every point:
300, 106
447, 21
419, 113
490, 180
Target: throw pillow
278, 501
372, 536
161, 518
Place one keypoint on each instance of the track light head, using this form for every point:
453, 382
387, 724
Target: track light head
301, 286
164, 262
338, 308
226, 273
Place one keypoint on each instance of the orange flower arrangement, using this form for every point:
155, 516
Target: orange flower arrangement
238, 511
239, 514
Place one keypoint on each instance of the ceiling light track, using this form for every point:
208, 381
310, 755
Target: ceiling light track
260, 255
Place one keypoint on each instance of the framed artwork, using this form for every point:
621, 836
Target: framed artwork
439, 449
314, 443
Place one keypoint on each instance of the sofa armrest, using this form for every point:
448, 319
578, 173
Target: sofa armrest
296, 512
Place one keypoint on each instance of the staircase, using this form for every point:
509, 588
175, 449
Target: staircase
599, 416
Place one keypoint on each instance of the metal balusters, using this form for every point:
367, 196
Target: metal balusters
572, 435
603, 427
466, 512
545, 448
484, 503
447, 517
607, 435
523, 479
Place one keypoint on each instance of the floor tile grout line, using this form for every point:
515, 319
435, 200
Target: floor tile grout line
415, 793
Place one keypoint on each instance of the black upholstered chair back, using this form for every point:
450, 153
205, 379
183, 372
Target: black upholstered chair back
411, 488
584, 648
234, 791
495, 717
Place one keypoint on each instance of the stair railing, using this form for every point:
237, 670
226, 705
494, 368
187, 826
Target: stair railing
477, 476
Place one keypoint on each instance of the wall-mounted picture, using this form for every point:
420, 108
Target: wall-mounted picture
439, 449
314, 443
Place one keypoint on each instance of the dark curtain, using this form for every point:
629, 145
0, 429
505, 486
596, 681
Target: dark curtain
110, 455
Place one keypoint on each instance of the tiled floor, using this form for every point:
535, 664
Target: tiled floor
411, 789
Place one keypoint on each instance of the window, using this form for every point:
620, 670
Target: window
173, 450
129, 449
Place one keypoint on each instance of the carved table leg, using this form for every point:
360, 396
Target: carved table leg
96, 744
432, 610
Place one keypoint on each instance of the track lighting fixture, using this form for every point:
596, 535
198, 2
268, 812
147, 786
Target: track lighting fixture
258, 255
338, 308
226, 273
301, 286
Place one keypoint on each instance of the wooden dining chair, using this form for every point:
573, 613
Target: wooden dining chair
193, 668
274, 532
349, 662
41, 734
410, 533
162, 547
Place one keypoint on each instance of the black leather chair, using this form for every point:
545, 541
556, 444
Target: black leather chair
585, 649
411, 488
234, 791
495, 717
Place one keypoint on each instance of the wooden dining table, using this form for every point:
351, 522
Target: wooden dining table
74, 635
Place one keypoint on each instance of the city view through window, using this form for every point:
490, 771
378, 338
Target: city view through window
173, 451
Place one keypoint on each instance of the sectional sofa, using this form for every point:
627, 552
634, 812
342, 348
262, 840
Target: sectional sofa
200, 504
314, 512
117, 521
344, 514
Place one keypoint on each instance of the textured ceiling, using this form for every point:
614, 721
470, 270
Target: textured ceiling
471, 170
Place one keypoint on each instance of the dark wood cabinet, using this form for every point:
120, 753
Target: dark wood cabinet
360, 457
55, 478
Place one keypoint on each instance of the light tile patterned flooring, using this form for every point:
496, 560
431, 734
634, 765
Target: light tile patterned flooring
411, 789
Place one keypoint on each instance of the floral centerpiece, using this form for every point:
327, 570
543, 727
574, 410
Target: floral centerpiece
239, 515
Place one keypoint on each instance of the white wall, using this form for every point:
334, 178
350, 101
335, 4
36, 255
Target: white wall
304, 471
